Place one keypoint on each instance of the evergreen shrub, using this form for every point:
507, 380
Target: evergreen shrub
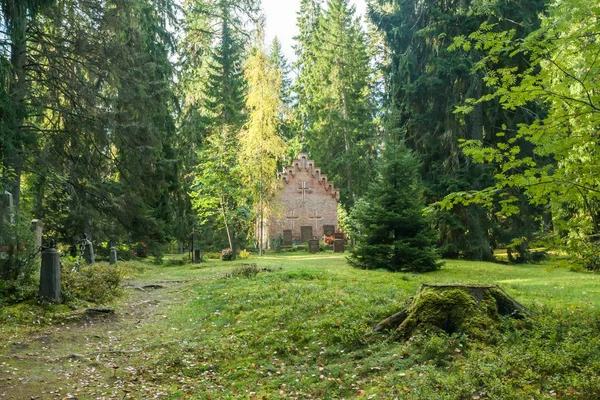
388, 223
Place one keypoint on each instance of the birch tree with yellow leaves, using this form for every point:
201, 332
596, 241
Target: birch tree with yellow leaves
261, 145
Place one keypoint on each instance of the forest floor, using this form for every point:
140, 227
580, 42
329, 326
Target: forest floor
302, 328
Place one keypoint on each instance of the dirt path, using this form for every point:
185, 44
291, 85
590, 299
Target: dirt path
79, 360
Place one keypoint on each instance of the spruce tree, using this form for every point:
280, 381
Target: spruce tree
17, 19
335, 102
427, 80
388, 223
285, 124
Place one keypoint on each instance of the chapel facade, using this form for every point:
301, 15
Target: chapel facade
306, 207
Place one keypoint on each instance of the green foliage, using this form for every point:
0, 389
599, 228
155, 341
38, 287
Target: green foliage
425, 80
157, 251
389, 227
218, 195
261, 148
97, 283
335, 106
562, 63
17, 262
246, 271
244, 254
212, 81
94, 80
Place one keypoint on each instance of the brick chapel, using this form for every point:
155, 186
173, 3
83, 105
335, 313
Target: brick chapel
307, 204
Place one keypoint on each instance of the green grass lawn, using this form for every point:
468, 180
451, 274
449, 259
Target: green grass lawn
302, 328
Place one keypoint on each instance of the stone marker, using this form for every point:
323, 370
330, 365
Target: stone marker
306, 233
50, 275
37, 228
88, 253
113, 255
339, 245
196, 249
288, 238
313, 246
11, 207
340, 235
328, 230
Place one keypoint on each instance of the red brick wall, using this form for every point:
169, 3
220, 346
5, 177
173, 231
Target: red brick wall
320, 197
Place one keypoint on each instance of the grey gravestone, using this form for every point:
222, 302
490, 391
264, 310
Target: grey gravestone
113, 255
37, 228
288, 239
88, 253
340, 235
328, 230
339, 245
196, 248
11, 210
50, 275
306, 233
196, 256
313, 246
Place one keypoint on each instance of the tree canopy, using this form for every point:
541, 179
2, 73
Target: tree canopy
147, 120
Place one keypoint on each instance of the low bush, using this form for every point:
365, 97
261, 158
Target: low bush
12, 292
245, 270
212, 255
244, 254
157, 251
227, 255
177, 262
97, 283
17, 262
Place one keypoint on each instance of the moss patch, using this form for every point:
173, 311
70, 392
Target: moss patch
470, 309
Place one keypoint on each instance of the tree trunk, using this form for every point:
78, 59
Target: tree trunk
453, 308
16, 18
233, 244
477, 217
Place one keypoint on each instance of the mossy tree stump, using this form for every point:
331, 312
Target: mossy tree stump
457, 308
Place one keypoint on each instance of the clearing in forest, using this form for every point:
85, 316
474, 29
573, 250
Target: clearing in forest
302, 327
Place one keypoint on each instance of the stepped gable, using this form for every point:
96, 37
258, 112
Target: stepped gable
306, 206
302, 163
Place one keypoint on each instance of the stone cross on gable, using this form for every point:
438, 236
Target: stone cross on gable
293, 219
303, 162
304, 189
317, 219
